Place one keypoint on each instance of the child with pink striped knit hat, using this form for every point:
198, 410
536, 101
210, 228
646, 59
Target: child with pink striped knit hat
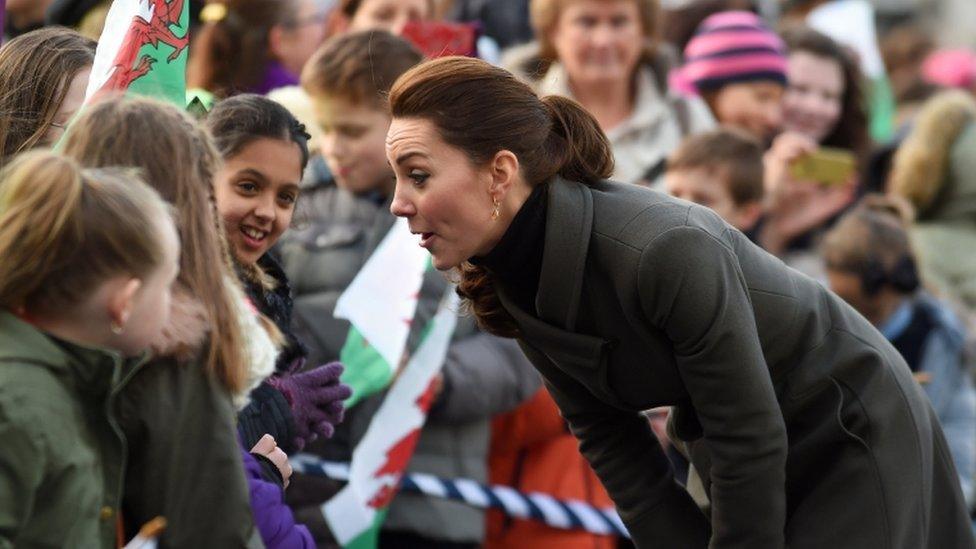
738, 66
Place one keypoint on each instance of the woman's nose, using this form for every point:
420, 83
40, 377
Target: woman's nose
401, 207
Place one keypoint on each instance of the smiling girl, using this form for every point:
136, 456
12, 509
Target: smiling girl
265, 152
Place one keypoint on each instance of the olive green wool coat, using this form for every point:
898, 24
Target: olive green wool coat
804, 423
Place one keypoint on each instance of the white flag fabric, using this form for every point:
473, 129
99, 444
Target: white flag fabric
381, 457
382, 299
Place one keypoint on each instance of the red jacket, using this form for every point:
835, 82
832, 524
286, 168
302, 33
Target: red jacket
533, 451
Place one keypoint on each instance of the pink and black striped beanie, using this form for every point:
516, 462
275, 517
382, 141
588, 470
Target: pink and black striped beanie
732, 47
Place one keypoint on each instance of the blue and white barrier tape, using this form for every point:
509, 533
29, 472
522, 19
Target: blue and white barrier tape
557, 513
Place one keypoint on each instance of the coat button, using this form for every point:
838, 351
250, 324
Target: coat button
106, 513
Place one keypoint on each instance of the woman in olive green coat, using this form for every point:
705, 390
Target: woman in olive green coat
804, 424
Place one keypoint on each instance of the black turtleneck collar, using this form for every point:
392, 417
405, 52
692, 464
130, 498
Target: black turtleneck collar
516, 261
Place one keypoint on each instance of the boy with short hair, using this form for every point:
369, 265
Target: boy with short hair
347, 80
723, 170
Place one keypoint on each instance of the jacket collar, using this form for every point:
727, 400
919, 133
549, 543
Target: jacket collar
569, 222
94, 370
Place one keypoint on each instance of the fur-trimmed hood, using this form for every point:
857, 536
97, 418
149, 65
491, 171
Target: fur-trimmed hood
935, 167
185, 334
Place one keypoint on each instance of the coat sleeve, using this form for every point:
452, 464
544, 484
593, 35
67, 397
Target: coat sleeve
953, 397
692, 287
184, 458
484, 376
630, 462
21, 472
272, 516
268, 413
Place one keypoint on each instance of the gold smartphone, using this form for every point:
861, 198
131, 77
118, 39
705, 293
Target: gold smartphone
827, 166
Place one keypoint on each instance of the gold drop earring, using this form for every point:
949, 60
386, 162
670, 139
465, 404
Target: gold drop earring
494, 213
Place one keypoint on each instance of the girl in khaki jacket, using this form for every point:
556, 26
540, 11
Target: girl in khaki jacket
89, 257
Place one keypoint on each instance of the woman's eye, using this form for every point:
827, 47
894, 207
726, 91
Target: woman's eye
419, 177
287, 198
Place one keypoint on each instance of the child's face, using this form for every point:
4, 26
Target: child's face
256, 191
389, 15
73, 99
755, 107
709, 188
354, 145
146, 306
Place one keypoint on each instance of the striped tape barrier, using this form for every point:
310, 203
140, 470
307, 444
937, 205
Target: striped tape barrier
558, 513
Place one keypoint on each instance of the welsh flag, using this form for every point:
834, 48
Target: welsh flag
380, 303
143, 49
356, 513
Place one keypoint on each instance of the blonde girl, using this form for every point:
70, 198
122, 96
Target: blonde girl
89, 257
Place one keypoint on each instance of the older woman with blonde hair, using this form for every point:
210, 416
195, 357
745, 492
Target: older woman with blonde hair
605, 55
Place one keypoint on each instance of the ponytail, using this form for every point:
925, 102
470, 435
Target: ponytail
64, 230
582, 149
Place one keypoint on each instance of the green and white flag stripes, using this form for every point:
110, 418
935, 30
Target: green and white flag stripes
378, 462
143, 49
380, 303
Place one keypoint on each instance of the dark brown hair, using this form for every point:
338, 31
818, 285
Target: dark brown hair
736, 155
36, 70
359, 67
481, 110
64, 230
178, 159
230, 53
237, 121
874, 232
851, 131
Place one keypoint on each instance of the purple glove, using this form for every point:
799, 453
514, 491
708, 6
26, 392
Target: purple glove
316, 399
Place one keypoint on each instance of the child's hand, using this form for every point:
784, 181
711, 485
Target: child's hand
268, 448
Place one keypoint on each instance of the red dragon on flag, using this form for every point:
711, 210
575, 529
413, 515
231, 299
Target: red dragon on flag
143, 50
141, 32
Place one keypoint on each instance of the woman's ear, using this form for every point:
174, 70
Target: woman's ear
504, 169
121, 301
